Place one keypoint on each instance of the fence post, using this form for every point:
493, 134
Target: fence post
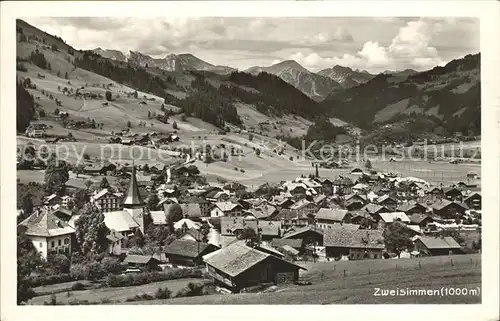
344, 272
451, 261
419, 265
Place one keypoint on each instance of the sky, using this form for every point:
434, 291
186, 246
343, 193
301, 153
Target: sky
373, 44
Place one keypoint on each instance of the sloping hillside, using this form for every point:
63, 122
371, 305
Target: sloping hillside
314, 85
449, 94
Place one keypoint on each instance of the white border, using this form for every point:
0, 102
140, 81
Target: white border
489, 14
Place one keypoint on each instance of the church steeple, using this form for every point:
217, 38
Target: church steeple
133, 199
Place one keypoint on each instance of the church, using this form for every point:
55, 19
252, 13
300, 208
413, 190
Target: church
127, 222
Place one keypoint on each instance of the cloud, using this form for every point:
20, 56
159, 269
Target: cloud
410, 48
340, 34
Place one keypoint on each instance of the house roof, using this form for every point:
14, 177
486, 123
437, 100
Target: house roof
409, 205
272, 228
319, 198
373, 208
288, 214
230, 224
139, 259
342, 237
394, 216
101, 194
300, 204
384, 198
226, 206
418, 218
190, 224
439, 243
133, 196
187, 248
332, 214
346, 226
294, 243
355, 195
237, 258
120, 221
46, 224
475, 194
299, 231
194, 233
441, 204
263, 211
290, 249
270, 250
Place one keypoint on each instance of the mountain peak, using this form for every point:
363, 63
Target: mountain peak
340, 68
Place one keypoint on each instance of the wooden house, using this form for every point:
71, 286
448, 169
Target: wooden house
448, 209
356, 244
142, 262
437, 245
187, 252
473, 201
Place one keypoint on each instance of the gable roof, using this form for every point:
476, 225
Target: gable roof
439, 243
158, 217
441, 204
418, 218
303, 230
228, 225
226, 206
120, 221
409, 205
346, 226
272, 228
300, 204
46, 224
190, 224
384, 198
114, 236
140, 259
373, 208
187, 248
237, 258
369, 239
394, 216
263, 211
194, 233
294, 243
332, 214
288, 214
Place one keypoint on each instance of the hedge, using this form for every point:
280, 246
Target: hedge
149, 277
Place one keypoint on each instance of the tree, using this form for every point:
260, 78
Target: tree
88, 183
397, 238
250, 137
249, 235
174, 126
25, 107
368, 164
317, 171
135, 94
57, 264
174, 214
257, 152
28, 260
66, 75
183, 117
58, 74
152, 201
27, 204
91, 231
56, 111
56, 175
80, 198
205, 230
162, 107
104, 183
78, 169
108, 95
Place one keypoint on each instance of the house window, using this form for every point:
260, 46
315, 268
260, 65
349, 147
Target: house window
52, 244
59, 242
66, 241
41, 244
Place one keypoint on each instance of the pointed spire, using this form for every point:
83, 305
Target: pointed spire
133, 198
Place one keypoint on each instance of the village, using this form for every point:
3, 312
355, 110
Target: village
166, 217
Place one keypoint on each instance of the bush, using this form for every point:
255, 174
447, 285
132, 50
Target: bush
79, 271
58, 264
78, 286
108, 95
96, 271
111, 265
175, 126
149, 277
163, 293
40, 280
192, 289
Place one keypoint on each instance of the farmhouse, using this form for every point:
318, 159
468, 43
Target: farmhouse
388, 202
437, 245
357, 244
410, 208
420, 220
106, 200
384, 219
453, 194
304, 207
226, 209
187, 252
269, 230
49, 234
289, 218
187, 224
232, 226
142, 262
374, 209
447, 209
239, 266
328, 216
310, 235
473, 201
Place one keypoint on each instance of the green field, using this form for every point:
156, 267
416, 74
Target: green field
114, 294
330, 286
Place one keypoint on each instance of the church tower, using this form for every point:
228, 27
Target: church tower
133, 203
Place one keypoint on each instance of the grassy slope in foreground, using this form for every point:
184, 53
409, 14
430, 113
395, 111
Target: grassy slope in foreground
331, 287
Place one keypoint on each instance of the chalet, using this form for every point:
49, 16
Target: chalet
387, 201
327, 185
374, 209
186, 223
102, 169
410, 208
191, 234
66, 201
282, 202
233, 226
473, 201
126, 141
269, 250
312, 184
356, 244
325, 217
142, 262
204, 205
435, 191
362, 218
342, 185
297, 190
447, 209
263, 212
289, 217
384, 219
269, 230
106, 200
218, 196
320, 200
123, 223
189, 210
453, 194
49, 234
289, 252
188, 252
420, 220
304, 207
226, 209
437, 245
293, 243
310, 234
115, 245
239, 266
